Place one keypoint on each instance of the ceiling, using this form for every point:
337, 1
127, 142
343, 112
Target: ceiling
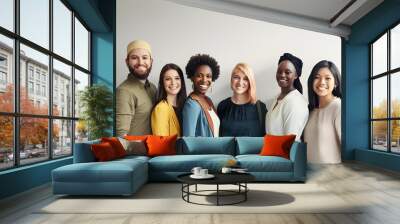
327, 16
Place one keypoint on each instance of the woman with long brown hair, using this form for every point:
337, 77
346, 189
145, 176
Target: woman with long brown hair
171, 95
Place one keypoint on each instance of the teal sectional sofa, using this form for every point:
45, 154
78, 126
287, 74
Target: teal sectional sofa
125, 176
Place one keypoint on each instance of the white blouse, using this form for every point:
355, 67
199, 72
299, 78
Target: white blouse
216, 122
288, 115
323, 134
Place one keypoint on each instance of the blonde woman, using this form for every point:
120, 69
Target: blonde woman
242, 114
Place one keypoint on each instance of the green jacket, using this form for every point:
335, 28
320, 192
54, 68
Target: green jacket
134, 103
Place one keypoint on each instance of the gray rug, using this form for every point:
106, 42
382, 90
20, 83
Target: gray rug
166, 198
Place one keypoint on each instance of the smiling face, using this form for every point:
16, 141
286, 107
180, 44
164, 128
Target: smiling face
285, 75
202, 79
324, 83
172, 82
139, 63
239, 83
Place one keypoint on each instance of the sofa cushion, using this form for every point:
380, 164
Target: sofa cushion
129, 158
116, 145
136, 137
161, 145
206, 145
111, 171
185, 163
83, 152
103, 152
249, 145
257, 163
134, 147
275, 145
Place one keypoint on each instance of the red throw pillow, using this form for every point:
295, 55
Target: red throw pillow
161, 145
136, 137
277, 145
103, 152
116, 145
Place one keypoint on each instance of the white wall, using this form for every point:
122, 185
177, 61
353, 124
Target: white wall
177, 32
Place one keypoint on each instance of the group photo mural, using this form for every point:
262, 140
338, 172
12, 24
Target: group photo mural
186, 71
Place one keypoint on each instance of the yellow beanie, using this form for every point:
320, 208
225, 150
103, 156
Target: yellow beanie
136, 44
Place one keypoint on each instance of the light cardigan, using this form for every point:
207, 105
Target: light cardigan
194, 120
323, 134
288, 117
164, 121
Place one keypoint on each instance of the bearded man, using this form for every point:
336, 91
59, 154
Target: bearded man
136, 95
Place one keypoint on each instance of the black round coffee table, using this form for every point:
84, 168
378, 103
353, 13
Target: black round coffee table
238, 179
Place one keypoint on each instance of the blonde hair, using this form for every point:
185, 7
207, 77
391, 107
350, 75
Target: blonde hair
248, 72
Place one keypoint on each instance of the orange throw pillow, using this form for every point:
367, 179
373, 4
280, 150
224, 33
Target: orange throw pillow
116, 145
136, 137
161, 145
277, 145
103, 152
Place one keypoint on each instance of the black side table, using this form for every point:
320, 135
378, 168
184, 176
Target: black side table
238, 179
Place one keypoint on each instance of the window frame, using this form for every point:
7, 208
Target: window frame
51, 118
388, 74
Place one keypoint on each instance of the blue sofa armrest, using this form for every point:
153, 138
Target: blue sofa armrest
298, 155
83, 152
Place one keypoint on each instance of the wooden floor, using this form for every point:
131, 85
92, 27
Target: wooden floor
354, 182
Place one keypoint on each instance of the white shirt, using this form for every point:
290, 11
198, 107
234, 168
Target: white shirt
289, 116
216, 122
323, 134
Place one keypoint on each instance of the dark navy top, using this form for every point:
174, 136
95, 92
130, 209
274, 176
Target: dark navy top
241, 120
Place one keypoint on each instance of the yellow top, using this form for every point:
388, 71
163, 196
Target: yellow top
164, 121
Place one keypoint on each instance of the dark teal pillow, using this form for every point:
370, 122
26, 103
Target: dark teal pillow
249, 145
83, 152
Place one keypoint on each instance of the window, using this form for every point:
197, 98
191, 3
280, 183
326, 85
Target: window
30, 72
6, 89
3, 78
43, 77
30, 87
49, 79
81, 45
7, 14
44, 91
38, 89
34, 21
3, 72
3, 61
385, 94
62, 30
62, 75
38, 74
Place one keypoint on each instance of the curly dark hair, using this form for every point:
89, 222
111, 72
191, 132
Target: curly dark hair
199, 60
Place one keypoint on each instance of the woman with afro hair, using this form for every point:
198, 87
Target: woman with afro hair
199, 117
